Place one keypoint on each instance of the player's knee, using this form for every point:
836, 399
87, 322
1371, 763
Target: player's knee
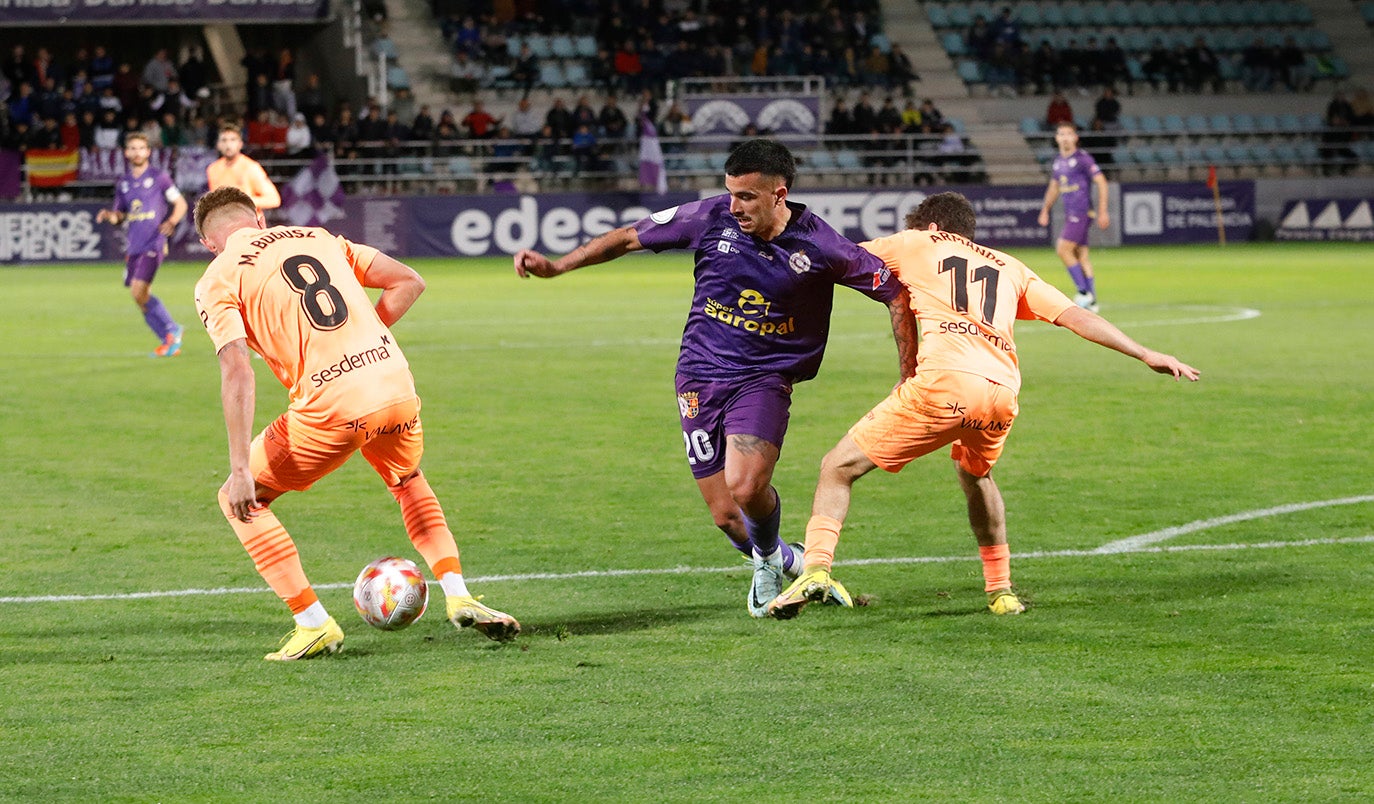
748, 488
728, 520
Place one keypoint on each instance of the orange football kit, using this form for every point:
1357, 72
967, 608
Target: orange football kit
296, 295
966, 298
247, 175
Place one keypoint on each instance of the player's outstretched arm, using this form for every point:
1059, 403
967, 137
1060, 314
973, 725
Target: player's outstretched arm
400, 285
1103, 194
1051, 195
603, 248
169, 225
905, 332
1093, 327
238, 392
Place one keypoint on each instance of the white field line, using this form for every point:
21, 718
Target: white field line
1134, 543
862, 562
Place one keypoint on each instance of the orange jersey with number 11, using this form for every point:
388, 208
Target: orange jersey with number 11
296, 294
967, 298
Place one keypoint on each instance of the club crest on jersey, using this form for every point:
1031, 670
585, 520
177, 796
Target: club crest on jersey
880, 277
799, 262
688, 404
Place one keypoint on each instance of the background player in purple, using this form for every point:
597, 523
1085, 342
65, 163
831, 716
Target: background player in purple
1071, 175
766, 270
150, 203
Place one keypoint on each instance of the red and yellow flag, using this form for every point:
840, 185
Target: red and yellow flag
52, 167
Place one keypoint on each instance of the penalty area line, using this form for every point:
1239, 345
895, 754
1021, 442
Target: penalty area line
621, 573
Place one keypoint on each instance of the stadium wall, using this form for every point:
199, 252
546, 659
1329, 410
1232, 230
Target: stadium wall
489, 225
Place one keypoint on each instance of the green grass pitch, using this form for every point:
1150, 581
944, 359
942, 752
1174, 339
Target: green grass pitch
1230, 662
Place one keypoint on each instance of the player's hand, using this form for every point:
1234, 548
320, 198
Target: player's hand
242, 493
532, 263
166, 228
1103, 221
105, 215
1044, 219
1168, 364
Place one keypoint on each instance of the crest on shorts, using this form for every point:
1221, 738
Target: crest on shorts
799, 262
688, 404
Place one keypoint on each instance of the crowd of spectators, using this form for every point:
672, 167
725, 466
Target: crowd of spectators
642, 44
1012, 65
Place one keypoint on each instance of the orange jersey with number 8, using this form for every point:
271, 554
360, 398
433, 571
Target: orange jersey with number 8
967, 298
296, 294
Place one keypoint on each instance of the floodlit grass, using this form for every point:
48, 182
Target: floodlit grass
1234, 670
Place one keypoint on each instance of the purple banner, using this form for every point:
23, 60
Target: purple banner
40, 233
1326, 219
727, 115
485, 225
1185, 213
1006, 215
84, 12
11, 170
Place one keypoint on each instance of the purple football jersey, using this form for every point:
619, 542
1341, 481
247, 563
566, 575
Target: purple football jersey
144, 201
1074, 175
761, 306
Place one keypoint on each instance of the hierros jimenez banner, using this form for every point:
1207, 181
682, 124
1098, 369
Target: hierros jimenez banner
80, 12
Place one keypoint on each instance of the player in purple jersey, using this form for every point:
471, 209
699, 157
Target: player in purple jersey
766, 271
150, 203
1070, 176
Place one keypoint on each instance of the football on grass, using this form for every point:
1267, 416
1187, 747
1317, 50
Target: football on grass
390, 593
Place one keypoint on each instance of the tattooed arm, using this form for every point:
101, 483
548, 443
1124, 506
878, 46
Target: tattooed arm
606, 247
906, 332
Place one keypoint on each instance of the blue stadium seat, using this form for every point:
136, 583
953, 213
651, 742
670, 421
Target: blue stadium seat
959, 16
1167, 155
1189, 15
881, 42
563, 47
1097, 15
1129, 123
585, 46
1214, 154
1191, 154
819, 160
1267, 123
1244, 124
1285, 153
1122, 156
1119, 14
539, 46
396, 77
937, 16
953, 43
552, 75
1312, 121
513, 45
1031, 126
460, 166
1235, 13
1262, 154
1045, 155
971, 72
1210, 14
1219, 123
1053, 16
1196, 123
1075, 15
1151, 125
1173, 124
576, 74
1308, 153
717, 160
846, 159
1238, 154
1145, 14
1028, 14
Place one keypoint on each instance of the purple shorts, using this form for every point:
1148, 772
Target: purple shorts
1076, 229
710, 411
142, 266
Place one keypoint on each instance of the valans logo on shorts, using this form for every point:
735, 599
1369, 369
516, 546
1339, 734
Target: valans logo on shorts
688, 404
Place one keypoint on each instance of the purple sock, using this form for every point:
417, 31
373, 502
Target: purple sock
744, 547
1080, 279
763, 534
157, 318
1092, 286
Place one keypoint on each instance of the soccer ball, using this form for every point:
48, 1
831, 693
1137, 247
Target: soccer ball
390, 593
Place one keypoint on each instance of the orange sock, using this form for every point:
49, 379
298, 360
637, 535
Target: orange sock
996, 566
426, 526
822, 534
274, 555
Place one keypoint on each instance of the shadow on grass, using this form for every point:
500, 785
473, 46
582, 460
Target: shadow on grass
618, 622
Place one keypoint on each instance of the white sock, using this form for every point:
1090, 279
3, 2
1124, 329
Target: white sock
453, 585
313, 617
